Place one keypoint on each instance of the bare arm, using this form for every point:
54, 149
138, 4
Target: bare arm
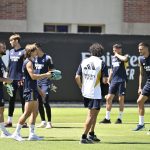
122, 58
110, 76
6, 80
29, 67
140, 78
78, 81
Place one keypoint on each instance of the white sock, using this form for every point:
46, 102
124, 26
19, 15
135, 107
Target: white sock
107, 115
18, 128
9, 119
43, 122
2, 126
32, 129
120, 115
141, 120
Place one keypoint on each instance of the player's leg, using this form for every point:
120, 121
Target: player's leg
11, 106
121, 98
42, 113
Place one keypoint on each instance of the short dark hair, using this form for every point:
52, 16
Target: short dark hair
117, 46
96, 49
145, 45
15, 37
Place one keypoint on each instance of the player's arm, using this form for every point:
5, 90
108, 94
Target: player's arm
78, 77
121, 57
29, 67
104, 73
140, 78
5, 80
110, 76
50, 63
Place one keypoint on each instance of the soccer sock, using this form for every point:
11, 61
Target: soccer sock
107, 115
31, 129
9, 119
3, 129
91, 133
120, 115
43, 122
141, 120
18, 128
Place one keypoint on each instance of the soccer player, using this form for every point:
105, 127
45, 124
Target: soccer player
117, 83
88, 78
30, 94
144, 93
43, 64
4, 133
16, 57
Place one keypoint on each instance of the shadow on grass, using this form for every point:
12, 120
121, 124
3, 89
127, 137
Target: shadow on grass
134, 122
125, 142
66, 127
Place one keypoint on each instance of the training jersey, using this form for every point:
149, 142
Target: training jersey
2, 69
42, 65
145, 62
29, 83
91, 70
16, 58
118, 70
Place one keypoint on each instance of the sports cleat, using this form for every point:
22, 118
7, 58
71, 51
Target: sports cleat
34, 137
25, 125
139, 127
105, 121
49, 125
17, 137
148, 133
42, 125
8, 124
93, 138
86, 141
118, 121
5, 134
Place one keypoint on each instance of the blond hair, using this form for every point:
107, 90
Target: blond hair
29, 49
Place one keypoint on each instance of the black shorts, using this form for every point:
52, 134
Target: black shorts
30, 95
119, 87
146, 89
2, 102
92, 103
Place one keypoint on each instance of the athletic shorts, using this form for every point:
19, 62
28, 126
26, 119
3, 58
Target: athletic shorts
146, 89
92, 103
2, 102
45, 88
117, 87
30, 95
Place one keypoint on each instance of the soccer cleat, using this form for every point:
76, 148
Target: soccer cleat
34, 137
25, 125
118, 121
17, 137
105, 121
5, 134
49, 125
86, 141
148, 133
93, 138
42, 125
8, 124
139, 127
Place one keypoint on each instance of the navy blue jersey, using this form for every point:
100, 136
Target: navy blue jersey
145, 62
29, 83
2, 69
16, 58
118, 70
42, 65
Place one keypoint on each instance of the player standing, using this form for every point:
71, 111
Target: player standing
88, 78
144, 93
117, 83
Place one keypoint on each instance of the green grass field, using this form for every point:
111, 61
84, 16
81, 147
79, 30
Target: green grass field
68, 127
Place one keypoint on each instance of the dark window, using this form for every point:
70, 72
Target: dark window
62, 28
89, 29
83, 29
96, 29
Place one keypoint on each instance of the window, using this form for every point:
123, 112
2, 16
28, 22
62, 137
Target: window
55, 28
89, 29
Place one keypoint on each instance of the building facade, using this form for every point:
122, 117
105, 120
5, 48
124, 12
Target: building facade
76, 16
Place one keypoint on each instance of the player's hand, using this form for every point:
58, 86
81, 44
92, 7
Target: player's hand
48, 74
20, 83
8, 81
139, 91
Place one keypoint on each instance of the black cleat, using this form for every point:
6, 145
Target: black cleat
105, 121
25, 125
118, 121
86, 141
93, 138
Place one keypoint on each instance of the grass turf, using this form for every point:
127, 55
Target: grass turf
68, 127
